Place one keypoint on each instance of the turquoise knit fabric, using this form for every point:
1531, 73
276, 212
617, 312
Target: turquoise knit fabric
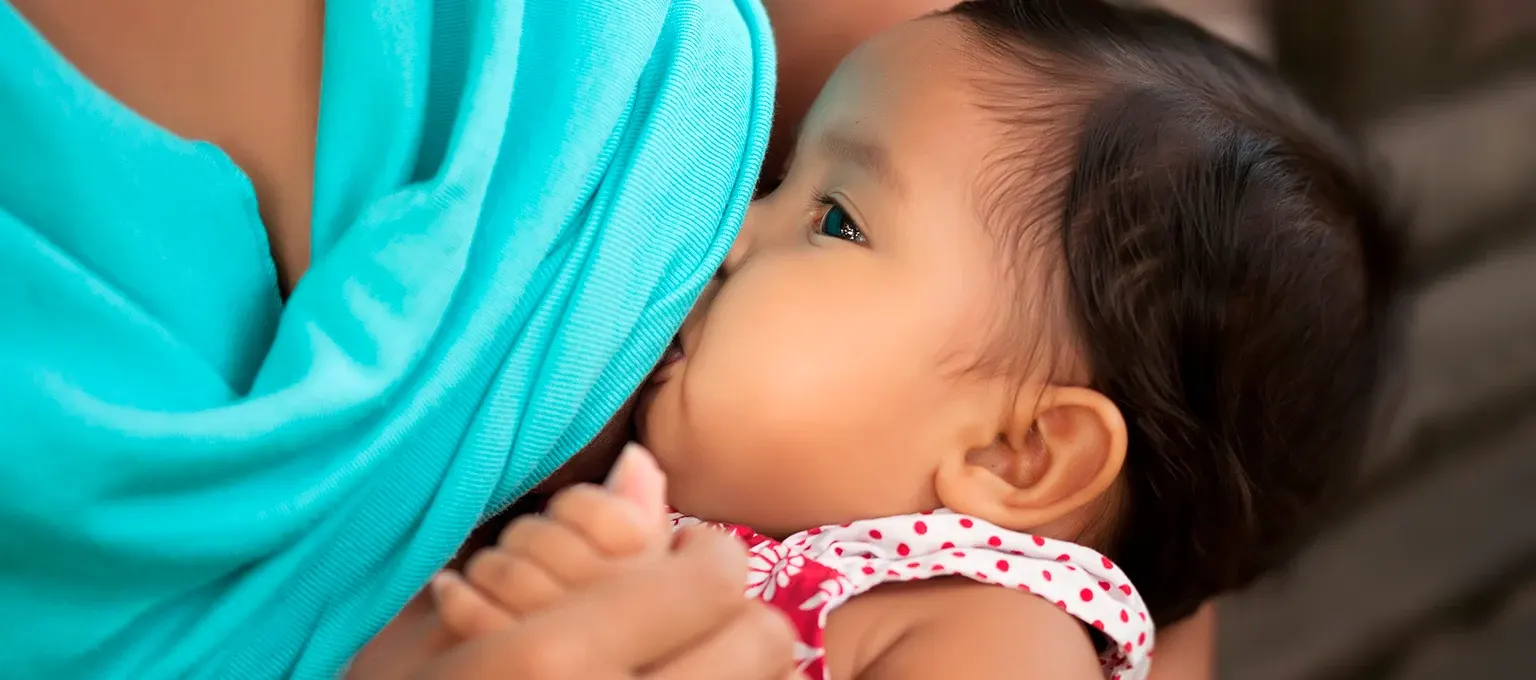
516, 202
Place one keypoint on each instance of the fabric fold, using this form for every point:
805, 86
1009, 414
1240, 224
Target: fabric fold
516, 204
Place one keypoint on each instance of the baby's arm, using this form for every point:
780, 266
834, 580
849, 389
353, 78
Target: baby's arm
956, 629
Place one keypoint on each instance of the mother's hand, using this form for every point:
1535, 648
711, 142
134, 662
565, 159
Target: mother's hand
680, 617
678, 612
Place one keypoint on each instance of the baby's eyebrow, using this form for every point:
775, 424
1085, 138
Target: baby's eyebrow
869, 155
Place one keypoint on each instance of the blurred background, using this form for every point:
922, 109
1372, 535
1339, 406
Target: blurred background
1433, 574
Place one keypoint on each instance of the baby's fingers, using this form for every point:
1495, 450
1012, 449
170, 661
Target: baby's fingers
465, 611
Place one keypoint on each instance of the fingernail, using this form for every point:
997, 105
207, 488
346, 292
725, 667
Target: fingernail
631, 460
442, 581
637, 478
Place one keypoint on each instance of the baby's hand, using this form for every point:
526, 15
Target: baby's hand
587, 534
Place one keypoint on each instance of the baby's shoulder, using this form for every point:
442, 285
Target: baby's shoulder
955, 628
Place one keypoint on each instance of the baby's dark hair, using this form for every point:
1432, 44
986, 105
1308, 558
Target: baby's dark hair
1230, 268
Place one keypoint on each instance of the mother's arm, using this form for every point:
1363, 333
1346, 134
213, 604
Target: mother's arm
1186, 650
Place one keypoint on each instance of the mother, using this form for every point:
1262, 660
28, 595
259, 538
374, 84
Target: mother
301, 294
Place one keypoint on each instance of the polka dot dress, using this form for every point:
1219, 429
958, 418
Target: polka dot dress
814, 571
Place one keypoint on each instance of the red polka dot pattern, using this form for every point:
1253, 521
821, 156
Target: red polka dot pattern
812, 572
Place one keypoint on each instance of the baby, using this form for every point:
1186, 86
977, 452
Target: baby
1063, 319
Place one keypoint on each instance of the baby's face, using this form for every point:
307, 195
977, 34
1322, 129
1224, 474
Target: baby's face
824, 372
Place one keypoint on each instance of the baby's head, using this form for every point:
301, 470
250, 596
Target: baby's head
1075, 270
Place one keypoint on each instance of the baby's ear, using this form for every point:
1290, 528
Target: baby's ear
1051, 458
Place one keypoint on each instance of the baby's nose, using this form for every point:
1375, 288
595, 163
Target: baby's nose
766, 226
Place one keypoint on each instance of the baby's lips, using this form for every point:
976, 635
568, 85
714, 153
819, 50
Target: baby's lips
673, 353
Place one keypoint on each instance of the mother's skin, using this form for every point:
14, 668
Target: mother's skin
248, 80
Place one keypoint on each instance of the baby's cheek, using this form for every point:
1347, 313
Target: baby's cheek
773, 403
783, 453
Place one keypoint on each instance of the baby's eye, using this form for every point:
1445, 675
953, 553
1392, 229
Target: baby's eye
836, 223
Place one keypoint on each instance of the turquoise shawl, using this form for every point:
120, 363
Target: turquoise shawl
516, 203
